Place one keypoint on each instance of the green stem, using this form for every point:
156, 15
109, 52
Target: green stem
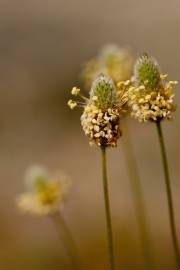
138, 198
169, 194
107, 209
67, 238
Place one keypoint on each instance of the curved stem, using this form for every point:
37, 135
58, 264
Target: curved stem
67, 238
138, 198
107, 209
169, 194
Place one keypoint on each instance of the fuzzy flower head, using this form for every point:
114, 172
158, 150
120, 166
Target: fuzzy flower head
151, 96
146, 72
113, 61
102, 112
104, 90
45, 193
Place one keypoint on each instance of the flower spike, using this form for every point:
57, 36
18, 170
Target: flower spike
102, 112
151, 96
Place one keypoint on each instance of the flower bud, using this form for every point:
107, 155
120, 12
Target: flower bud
104, 89
146, 72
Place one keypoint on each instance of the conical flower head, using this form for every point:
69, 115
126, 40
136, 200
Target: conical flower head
151, 97
100, 119
146, 72
103, 92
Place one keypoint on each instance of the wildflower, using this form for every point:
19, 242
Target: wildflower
151, 96
45, 193
152, 99
102, 112
112, 61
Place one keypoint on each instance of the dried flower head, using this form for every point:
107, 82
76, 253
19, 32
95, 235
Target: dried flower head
151, 96
45, 193
102, 112
113, 61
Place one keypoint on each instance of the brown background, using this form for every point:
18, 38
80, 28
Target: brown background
42, 47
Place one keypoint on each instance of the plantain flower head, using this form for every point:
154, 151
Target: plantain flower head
151, 95
102, 111
113, 61
46, 193
104, 89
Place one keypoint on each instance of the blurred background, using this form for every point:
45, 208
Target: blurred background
43, 45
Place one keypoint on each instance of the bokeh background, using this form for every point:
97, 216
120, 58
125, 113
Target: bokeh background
43, 45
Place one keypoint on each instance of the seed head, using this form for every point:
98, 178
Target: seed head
101, 126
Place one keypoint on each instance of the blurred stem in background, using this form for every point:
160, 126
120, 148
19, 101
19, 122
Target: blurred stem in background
137, 195
67, 238
107, 209
169, 193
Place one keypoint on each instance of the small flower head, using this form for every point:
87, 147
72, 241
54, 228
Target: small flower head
46, 193
112, 61
102, 111
151, 96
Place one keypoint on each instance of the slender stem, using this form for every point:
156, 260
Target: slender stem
67, 238
169, 194
138, 198
107, 209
